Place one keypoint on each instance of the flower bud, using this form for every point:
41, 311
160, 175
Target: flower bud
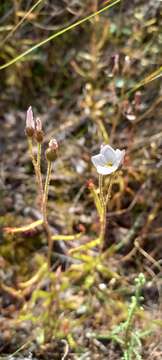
90, 184
38, 131
81, 228
51, 152
30, 125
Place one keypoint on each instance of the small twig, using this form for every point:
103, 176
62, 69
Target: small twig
146, 255
148, 111
66, 349
132, 204
13, 292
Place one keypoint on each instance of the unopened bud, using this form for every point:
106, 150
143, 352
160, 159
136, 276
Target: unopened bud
90, 184
38, 124
81, 228
38, 131
51, 152
30, 125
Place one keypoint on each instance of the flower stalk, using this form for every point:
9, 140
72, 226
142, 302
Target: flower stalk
39, 150
44, 210
105, 200
107, 162
101, 189
37, 170
34, 131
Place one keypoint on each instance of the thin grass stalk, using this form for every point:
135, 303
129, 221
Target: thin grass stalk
59, 33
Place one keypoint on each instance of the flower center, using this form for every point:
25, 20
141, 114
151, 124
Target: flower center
109, 164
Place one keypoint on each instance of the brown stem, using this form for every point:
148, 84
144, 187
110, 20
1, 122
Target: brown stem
37, 170
44, 210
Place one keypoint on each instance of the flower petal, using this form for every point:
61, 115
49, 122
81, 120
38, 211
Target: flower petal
109, 153
106, 170
29, 118
119, 156
98, 160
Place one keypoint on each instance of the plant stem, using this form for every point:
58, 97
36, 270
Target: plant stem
104, 201
44, 209
39, 173
30, 145
103, 227
101, 189
43, 193
39, 156
108, 196
37, 169
103, 216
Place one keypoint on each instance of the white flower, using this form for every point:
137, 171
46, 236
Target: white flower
108, 160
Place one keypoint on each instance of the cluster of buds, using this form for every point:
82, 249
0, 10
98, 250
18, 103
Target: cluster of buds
33, 128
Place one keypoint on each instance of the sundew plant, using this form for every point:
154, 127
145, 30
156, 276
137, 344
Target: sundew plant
107, 163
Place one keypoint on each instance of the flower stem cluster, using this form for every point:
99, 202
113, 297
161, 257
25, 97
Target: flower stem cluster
107, 162
34, 132
33, 127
